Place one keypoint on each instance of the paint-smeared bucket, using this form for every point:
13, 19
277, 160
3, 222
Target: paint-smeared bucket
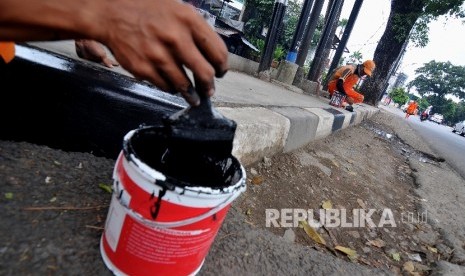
158, 224
337, 99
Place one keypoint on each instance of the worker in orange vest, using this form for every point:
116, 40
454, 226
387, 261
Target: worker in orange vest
411, 109
346, 77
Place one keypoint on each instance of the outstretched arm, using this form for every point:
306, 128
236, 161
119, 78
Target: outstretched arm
154, 40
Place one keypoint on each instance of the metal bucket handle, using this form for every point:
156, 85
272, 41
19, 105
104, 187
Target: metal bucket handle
184, 222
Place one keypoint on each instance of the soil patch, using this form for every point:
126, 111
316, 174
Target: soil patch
362, 168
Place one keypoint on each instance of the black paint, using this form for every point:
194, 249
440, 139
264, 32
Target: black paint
183, 166
338, 118
50, 99
156, 207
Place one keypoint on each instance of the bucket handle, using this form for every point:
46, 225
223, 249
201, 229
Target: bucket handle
184, 222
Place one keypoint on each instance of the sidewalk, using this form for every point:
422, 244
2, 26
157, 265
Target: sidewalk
271, 119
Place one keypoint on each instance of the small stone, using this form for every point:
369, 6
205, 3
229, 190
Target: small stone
410, 226
421, 267
266, 162
429, 237
289, 236
404, 244
253, 171
354, 234
443, 249
366, 250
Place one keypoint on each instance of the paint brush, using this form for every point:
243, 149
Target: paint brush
199, 139
201, 128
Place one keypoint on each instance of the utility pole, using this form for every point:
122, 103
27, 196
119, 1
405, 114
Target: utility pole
297, 39
272, 35
325, 41
344, 38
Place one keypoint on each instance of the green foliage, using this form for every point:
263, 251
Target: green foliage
279, 53
258, 15
291, 18
260, 44
459, 114
451, 110
355, 57
419, 15
399, 95
440, 79
423, 103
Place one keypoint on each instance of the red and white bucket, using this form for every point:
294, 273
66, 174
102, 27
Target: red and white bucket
155, 228
337, 99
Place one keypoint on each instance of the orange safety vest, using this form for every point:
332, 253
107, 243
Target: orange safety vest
411, 108
7, 51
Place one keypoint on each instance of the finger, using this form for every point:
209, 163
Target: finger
108, 62
171, 70
203, 71
208, 88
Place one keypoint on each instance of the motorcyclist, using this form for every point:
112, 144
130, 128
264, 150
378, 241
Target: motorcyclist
425, 114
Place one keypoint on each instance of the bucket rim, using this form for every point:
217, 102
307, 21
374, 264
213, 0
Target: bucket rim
154, 175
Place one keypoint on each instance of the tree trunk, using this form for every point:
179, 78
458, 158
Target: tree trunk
390, 46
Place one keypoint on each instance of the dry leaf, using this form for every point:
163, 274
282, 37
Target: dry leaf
361, 203
408, 266
312, 233
378, 243
326, 204
352, 254
257, 180
105, 187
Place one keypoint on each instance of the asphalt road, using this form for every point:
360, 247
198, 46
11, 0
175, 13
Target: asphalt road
441, 139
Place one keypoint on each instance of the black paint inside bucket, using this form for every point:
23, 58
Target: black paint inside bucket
183, 164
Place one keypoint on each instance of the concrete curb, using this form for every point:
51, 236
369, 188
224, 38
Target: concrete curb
264, 132
265, 129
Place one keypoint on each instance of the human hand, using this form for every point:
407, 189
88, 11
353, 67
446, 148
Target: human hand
93, 51
157, 40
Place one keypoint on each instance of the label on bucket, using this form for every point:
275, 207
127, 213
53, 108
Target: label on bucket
114, 224
135, 248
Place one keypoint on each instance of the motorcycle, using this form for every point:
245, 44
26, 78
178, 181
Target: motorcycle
423, 116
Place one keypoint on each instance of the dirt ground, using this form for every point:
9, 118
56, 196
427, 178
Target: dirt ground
364, 167
54, 207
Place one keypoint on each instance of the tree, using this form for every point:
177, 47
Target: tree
257, 15
439, 79
355, 57
459, 114
408, 20
423, 103
294, 8
399, 96
441, 105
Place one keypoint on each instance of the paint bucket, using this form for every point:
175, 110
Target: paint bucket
157, 224
337, 99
